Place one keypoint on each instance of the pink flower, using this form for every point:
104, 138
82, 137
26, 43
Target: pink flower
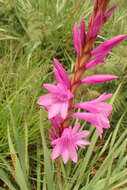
82, 33
99, 112
105, 47
55, 121
99, 120
61, 75
109, 12
79, 36
97, 106
94, 62
76, 39
96, 26
103, 97
53, 134
101, 51
97, 79
56, 100
68, 143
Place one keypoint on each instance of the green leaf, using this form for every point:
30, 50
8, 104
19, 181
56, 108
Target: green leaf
5, 178
19, 175
47, 161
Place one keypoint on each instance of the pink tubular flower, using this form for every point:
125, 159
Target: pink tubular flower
101, 51
96, 26
103, 97
105, 47
99, 120
68, 143
109, 12
97, 79
94, 62
79, 36
99, 112
55, 121
82, 33
61, 75
57, 100
97, 106
77, 40
52, 134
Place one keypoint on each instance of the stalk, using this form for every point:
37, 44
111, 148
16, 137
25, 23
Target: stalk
59, 179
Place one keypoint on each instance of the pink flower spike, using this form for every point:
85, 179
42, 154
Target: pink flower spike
105, 47
76, 39
96, 26
82, 32
99, 120
97, 79
56, 101
61, 74
110, 11
94, 62
68, 143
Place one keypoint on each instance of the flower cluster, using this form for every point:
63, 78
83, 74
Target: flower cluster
66, 140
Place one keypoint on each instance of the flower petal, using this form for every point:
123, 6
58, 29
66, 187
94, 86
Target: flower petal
54, 110
105, 47
97, 79
82, 134
51, 88
103, 97
96, 26
55, 124
82, 32
45, 100
53, 135
75, 128
65, 156
61, 74
57, 76
95, 107
82, 143
94, 62
110, 11
55, 152
76, 39
98, 120
63, 110
73, 153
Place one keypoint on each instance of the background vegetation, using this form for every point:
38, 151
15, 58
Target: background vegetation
32, 32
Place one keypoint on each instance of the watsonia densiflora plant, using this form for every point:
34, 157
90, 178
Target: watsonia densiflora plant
101, 166
59, 102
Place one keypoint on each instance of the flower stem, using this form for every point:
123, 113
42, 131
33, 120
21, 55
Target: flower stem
59, 173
